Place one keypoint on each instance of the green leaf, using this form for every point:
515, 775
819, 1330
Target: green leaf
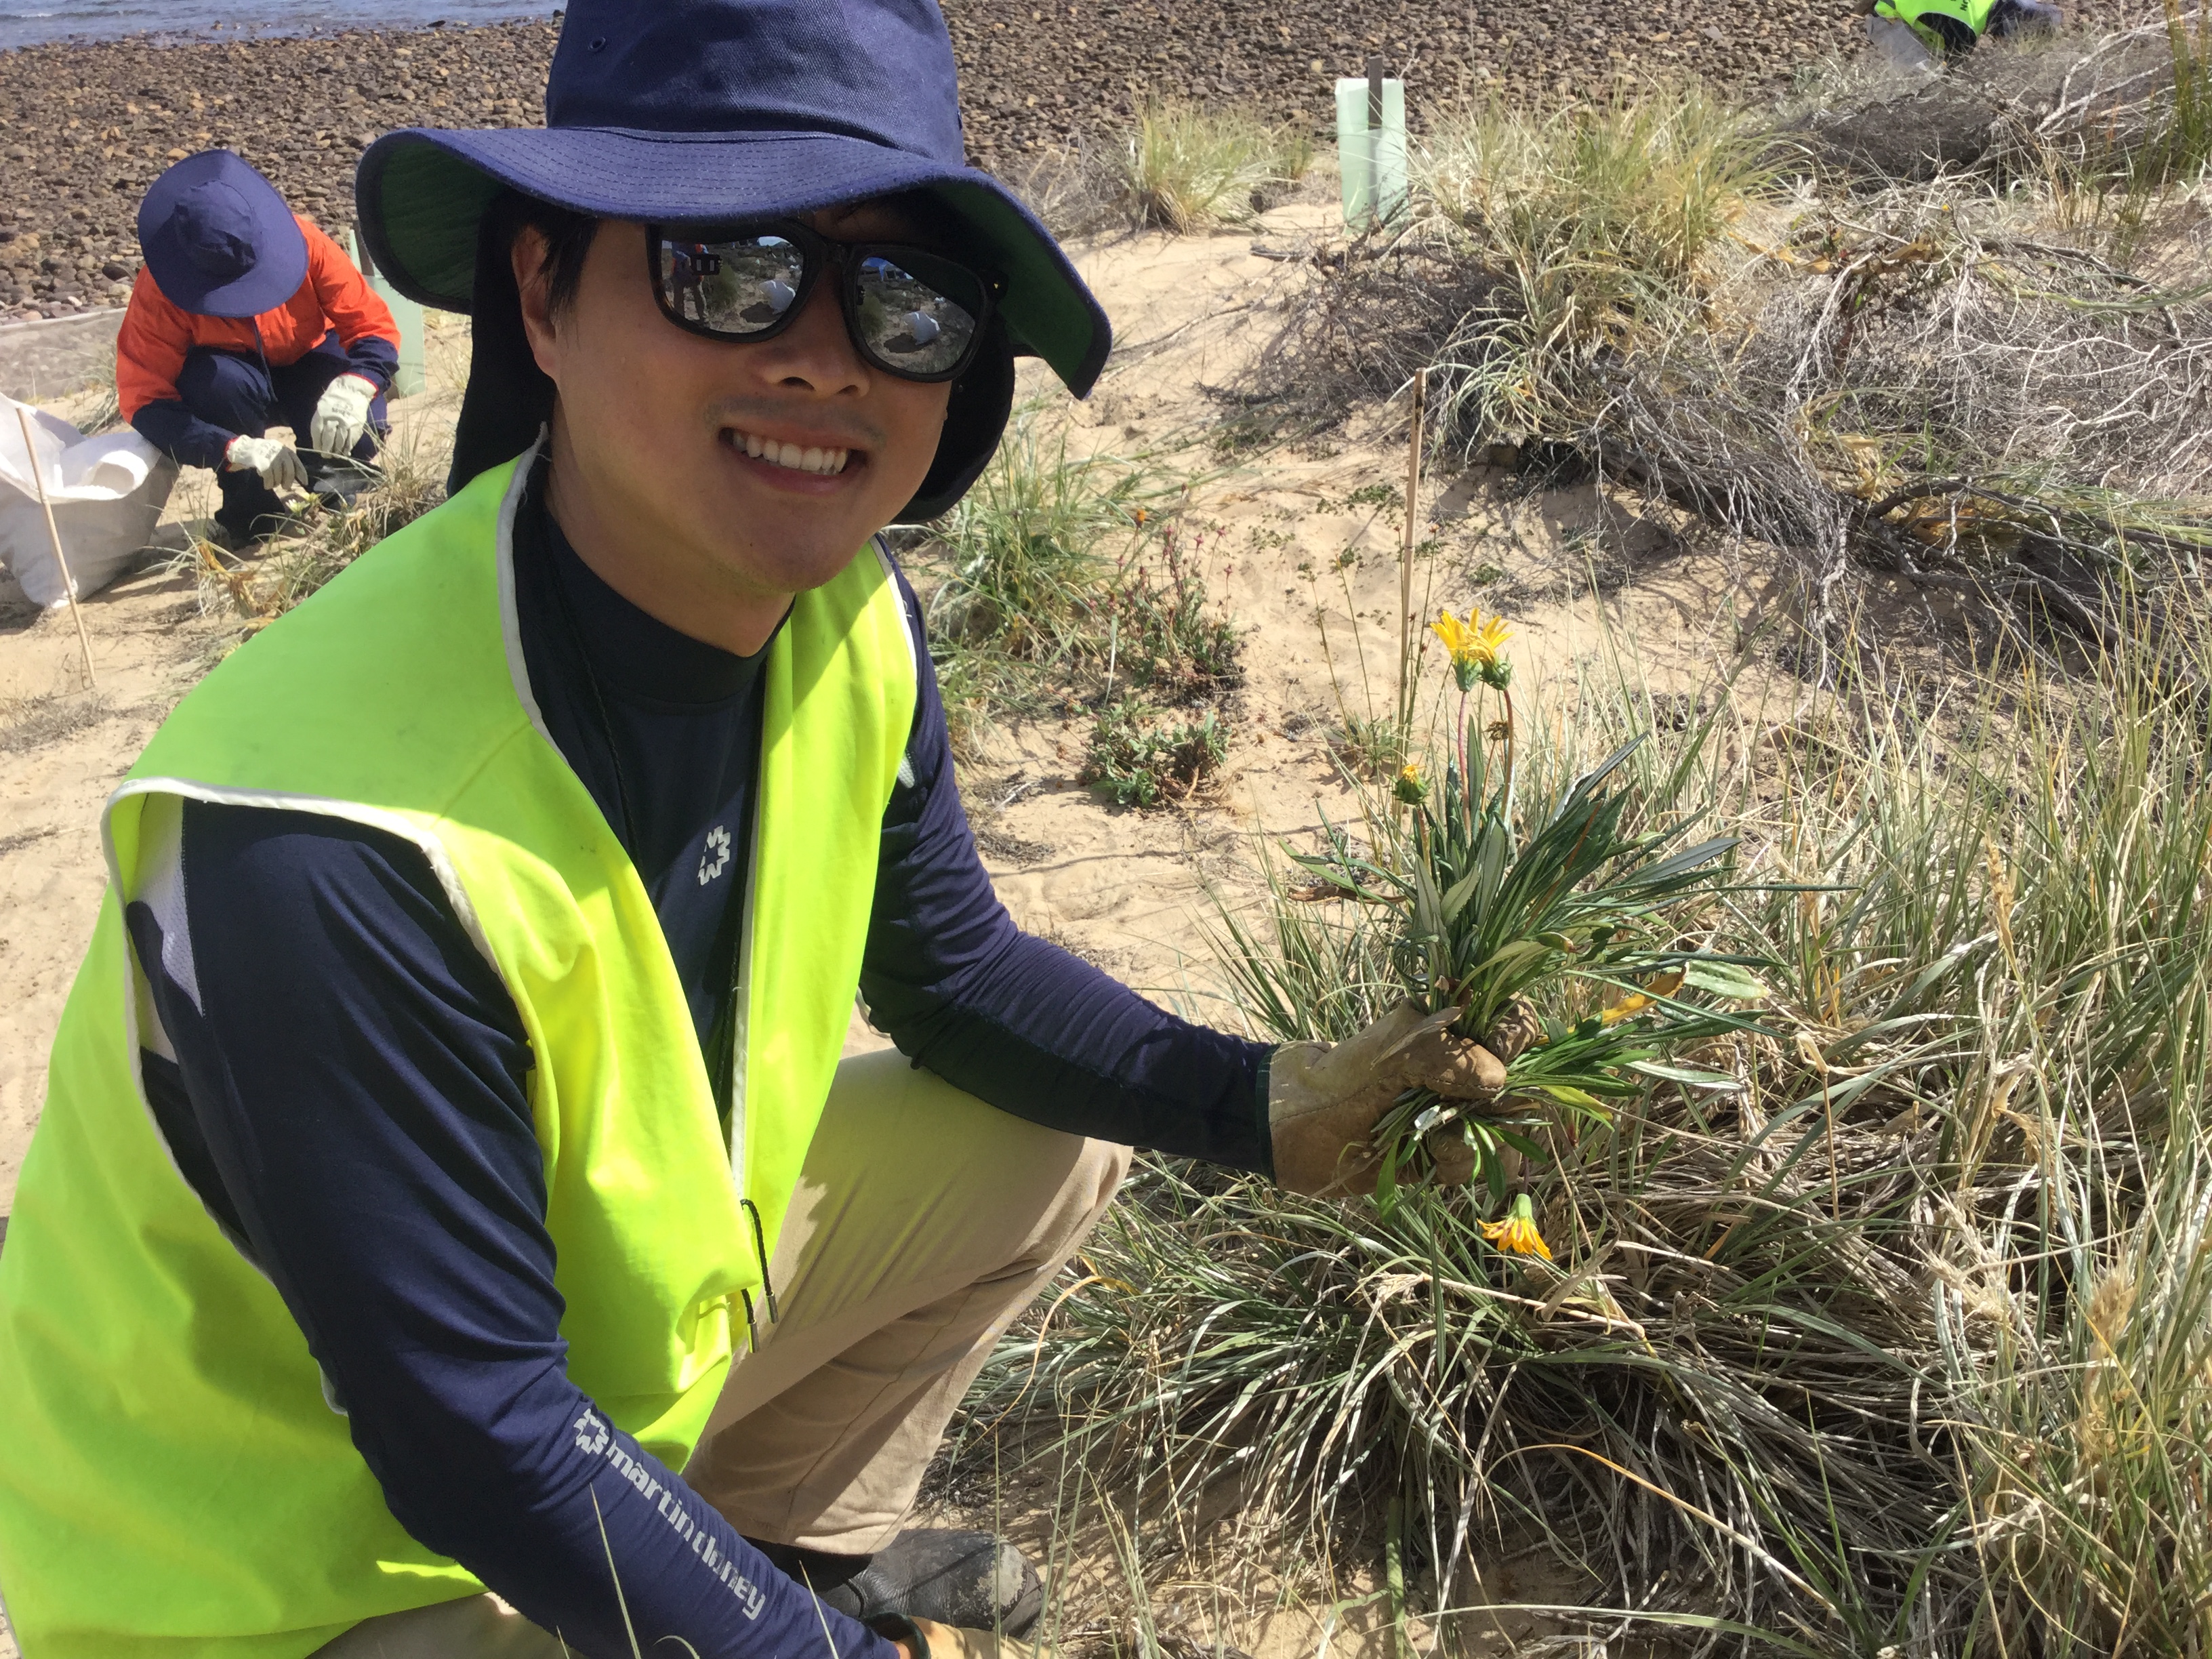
1723, 979
1386, 1185
1456, 896
1506, 959
1714, 1080
1568, 1095
1522, 1144
1490, 860
1689, 858
1428, 904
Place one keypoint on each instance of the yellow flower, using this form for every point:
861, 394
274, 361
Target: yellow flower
1411, 787
1473, 641
1516, 1235
1474, 645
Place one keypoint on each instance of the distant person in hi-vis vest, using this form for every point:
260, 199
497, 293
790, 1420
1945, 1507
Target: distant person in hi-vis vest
1924, 34
453, 1229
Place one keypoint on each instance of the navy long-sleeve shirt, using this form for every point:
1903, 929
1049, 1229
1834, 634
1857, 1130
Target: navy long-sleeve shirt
344, 1080
202, 437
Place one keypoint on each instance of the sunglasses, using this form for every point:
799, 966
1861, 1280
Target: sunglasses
911, 312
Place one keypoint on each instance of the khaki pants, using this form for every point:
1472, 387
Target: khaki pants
924, 1222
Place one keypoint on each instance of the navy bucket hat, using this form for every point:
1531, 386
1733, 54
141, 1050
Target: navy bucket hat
706, 112
219, 239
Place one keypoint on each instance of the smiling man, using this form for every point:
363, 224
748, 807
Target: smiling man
452, 1230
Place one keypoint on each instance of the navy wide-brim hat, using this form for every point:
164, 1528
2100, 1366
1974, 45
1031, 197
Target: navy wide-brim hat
219, 239
706, 111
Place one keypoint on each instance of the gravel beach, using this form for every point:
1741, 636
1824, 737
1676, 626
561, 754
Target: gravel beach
85, 127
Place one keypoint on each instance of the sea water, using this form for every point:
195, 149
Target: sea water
23, 22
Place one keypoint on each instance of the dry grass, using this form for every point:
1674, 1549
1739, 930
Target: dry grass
1935, 382
288, 568
34, 722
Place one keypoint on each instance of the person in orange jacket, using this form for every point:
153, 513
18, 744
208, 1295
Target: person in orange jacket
243, 317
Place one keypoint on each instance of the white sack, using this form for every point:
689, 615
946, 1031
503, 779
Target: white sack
108, 493
1897, 45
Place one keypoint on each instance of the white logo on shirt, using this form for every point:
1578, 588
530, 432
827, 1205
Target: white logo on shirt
593, 1439
716, 858
591, 1433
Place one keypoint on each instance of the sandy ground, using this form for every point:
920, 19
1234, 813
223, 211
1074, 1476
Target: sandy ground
1129, 889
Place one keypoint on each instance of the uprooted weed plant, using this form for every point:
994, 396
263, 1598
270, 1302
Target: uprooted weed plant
1899, 1341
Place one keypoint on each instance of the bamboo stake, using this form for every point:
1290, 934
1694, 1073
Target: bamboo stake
54, 539
1374, 140
1406, 553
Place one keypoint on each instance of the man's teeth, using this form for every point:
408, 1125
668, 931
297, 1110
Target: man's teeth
825, 461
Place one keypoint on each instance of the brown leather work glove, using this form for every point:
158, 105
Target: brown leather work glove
949, 1641
1323, 1099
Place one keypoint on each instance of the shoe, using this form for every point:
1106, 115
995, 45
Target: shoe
969, 1579
335, 481
233, 536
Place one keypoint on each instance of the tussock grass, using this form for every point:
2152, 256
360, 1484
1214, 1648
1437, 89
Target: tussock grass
1028, 551
1187, 167
1903, 1343
1540, 242
1603, 220
1183, 167
1021, 566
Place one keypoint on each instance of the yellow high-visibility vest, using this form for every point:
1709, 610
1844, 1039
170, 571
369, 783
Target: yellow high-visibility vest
172, 1478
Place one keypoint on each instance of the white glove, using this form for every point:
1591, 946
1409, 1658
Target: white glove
342, 415
278, 463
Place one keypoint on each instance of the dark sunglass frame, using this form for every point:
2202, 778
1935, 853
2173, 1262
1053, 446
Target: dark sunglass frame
817, 253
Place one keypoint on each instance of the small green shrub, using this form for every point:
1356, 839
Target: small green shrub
1163, 636
1136, 760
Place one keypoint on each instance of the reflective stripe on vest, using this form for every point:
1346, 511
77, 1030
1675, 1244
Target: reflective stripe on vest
172, 1480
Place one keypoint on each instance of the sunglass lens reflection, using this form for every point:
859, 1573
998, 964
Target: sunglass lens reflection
908, 323
919, 323
736, 288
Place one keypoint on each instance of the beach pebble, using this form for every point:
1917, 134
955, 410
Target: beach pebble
87, 127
